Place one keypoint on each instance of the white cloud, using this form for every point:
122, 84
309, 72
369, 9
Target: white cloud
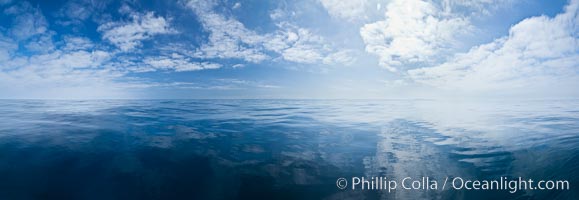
194, 66
66, 61
297, 44
7, 47
62, 72
178, 63
59, 74
228, 38
27, 21
43, 43
4, 2
75, 12
238, 66
229, 83
475, 7
351, 10
128, 35
47, 70
413, 31
237, 5
77, 43
343, 57
301, 45
277, 14
539, 52
302, 54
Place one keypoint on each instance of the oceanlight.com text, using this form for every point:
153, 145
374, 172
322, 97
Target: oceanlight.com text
456, 183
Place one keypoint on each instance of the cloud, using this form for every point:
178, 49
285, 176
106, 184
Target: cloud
7, 47
27, 21
343, 57
58, 71
277, 14
413, 31
128, 35
215, 84
538, 52
237, 5
4, 2
72, 43
352, 10
58, 62
301, 45
473, 7
297, 44
178, 63
57, 66
58, 74
75, 12
42, 43
238, 66
231, 83
228, 38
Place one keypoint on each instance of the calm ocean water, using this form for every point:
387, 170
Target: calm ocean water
280, 149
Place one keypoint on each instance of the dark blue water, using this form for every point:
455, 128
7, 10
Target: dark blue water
280, 149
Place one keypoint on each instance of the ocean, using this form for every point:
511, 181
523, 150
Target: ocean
287, 149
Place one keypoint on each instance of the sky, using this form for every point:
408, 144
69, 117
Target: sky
305, 49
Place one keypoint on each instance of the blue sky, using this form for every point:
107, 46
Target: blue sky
289, 49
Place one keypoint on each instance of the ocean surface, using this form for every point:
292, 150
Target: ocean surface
281, 149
